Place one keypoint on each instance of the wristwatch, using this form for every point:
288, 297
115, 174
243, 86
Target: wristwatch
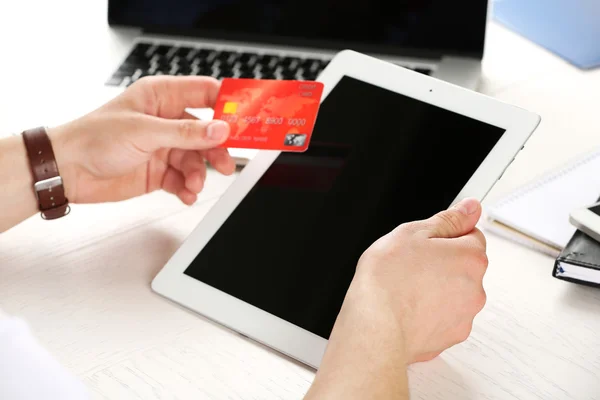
48, 185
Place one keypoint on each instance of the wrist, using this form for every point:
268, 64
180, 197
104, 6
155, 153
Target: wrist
366, 310
18, 197
65, 153
366, 354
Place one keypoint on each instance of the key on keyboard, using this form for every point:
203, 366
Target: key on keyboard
149, 59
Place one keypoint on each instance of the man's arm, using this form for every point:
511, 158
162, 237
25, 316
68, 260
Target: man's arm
365, 358
139, 142
17, 201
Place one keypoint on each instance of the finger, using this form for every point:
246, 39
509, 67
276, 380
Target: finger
469, 252
475, 239
193, 168
176, 157
454, 222
478, 265
427, 357
221, 160
187, 134
191, 164
463, 332
195, 180
174, 182
479, 237
169, 96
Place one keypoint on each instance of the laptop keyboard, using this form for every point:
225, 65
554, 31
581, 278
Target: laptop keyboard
150, 59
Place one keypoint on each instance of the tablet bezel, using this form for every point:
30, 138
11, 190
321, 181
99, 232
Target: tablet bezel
285, 337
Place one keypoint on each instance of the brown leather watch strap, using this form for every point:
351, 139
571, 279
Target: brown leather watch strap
48, 186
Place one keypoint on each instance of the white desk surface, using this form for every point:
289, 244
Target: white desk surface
83, 282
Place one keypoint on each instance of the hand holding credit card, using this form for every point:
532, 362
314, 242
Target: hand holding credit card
268, 114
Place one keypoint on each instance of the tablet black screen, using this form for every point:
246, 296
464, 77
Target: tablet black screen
376, 159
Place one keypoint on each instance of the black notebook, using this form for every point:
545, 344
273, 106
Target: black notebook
579, 262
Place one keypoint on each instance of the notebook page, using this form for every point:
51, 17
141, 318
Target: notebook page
541, 208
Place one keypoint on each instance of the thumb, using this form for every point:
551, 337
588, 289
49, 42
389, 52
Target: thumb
456, 221
186, 134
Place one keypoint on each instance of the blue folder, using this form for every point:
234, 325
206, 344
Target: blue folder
568, 28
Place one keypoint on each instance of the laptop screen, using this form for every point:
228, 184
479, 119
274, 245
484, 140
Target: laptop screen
407, 27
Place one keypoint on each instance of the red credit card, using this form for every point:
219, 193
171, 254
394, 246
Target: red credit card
269, 114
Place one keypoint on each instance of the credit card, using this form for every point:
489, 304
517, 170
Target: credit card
269, 114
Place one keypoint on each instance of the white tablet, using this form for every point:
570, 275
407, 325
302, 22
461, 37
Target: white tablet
274, 257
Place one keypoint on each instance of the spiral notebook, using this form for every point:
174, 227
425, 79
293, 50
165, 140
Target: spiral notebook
537, 214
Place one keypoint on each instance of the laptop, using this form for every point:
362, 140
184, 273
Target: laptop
285, 39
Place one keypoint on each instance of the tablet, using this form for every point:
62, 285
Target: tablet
274, 257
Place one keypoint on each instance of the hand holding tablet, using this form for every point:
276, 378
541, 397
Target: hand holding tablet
405, 306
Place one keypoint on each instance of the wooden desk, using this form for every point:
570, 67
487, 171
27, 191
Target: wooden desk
86, 291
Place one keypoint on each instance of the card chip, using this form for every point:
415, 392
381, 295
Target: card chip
230, 107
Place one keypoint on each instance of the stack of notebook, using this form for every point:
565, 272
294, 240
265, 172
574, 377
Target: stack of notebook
537, 215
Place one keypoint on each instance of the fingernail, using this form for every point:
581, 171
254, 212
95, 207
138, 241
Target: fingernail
467, 206
217, 130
